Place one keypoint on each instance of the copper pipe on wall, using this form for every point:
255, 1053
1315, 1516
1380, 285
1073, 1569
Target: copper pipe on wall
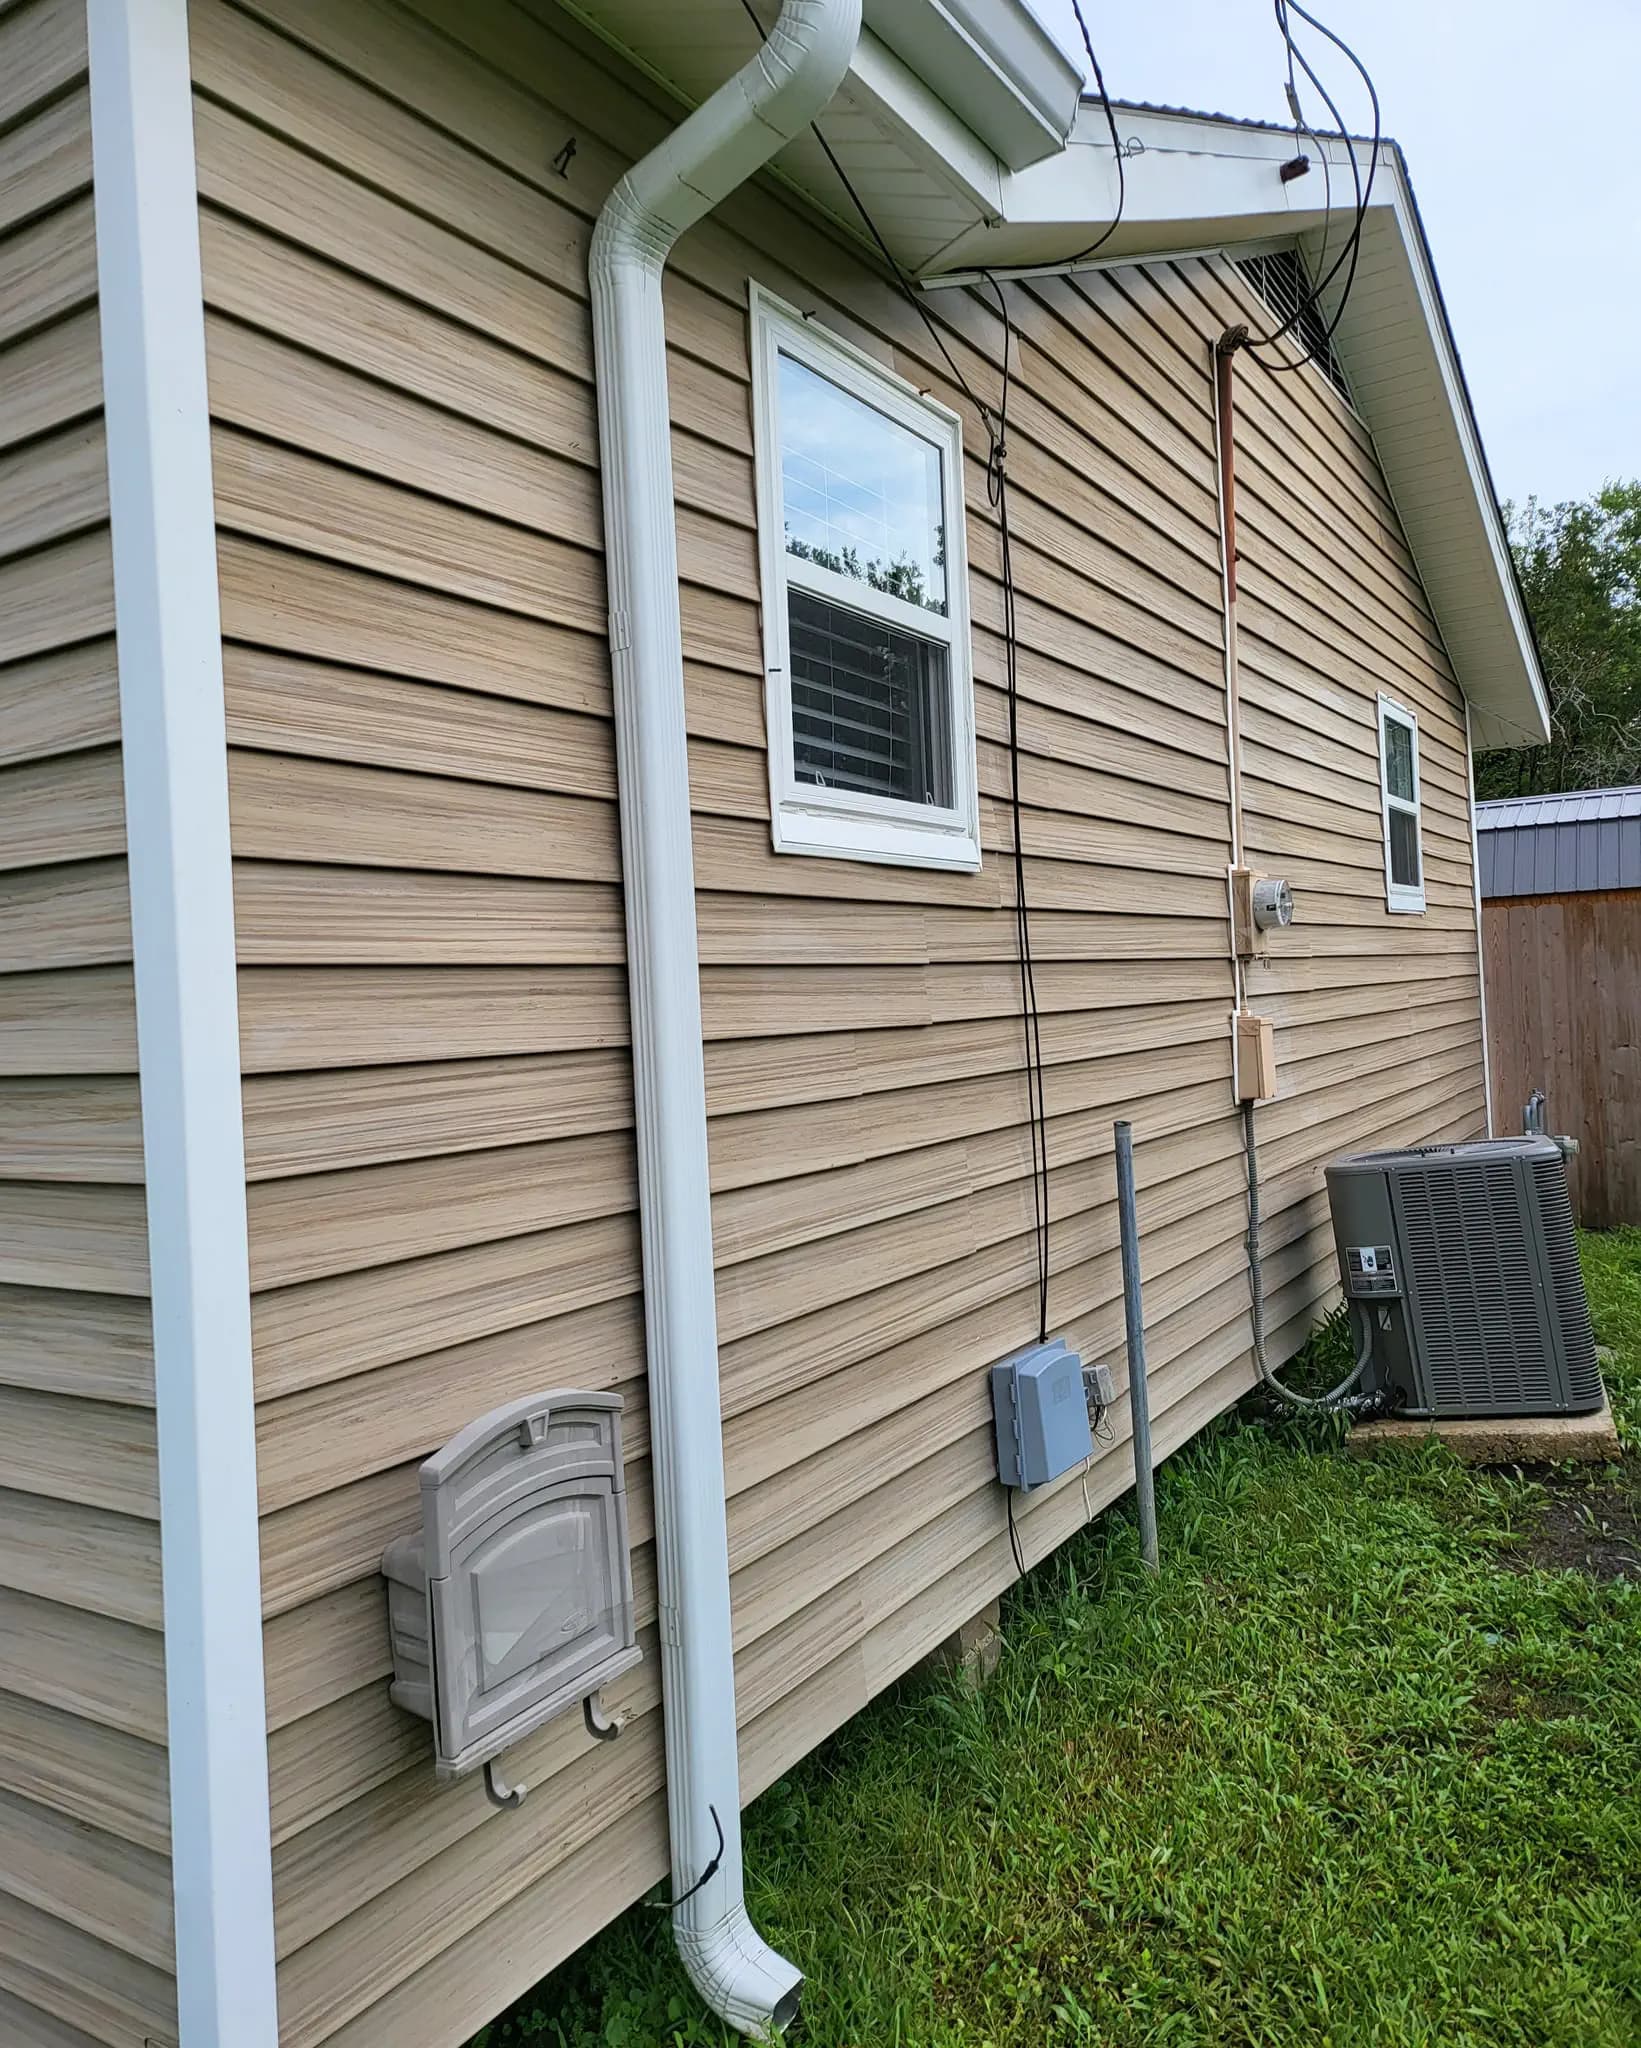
1225, 350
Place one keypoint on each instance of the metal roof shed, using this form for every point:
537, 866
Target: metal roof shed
1546, 845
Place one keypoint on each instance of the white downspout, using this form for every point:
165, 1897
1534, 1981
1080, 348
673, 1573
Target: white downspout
773, 98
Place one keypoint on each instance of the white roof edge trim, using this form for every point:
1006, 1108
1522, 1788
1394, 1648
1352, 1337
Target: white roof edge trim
993, 63
1214, 191
1464, 418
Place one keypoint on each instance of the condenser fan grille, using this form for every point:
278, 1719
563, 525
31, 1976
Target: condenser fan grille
1471, 1278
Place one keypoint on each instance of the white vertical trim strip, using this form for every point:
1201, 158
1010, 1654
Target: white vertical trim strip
176, 807
1481, 957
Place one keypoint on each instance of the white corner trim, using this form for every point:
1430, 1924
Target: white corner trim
182, 926
1481, 955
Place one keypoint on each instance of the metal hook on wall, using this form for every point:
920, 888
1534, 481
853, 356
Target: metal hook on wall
602, 1726
498, 1792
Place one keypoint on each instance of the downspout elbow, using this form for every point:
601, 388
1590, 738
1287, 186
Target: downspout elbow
770, 100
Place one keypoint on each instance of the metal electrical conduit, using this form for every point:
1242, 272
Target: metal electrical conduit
1139, 1390
771, 99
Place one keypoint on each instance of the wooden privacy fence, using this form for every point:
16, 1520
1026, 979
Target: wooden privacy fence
1563, 963
1563, 998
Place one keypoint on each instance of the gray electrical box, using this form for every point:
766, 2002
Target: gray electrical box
513, 1601
1041, 1408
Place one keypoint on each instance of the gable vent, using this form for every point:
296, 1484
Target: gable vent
1282, 282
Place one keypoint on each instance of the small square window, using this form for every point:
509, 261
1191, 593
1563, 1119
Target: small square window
868, 684
1399, 805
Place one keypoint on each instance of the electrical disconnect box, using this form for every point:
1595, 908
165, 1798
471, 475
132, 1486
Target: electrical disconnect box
513, 1601
1254, 1057
1041, 1408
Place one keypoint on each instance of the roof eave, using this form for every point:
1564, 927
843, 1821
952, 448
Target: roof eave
1197, 183
993, 63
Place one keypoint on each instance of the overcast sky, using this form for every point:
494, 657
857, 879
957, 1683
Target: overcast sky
1522, 127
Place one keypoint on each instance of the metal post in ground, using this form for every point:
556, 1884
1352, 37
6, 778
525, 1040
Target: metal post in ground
1139, 1397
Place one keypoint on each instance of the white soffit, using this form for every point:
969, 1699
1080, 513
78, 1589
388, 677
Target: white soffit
1197, 183
927, 148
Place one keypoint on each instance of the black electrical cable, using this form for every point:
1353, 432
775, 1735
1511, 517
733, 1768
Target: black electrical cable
912, 297
1014, 1534
1309, 301
996, 425
1349, 256
1302, 130
707, 1875
1100, 240
1351, 252
1366, 77
997, 489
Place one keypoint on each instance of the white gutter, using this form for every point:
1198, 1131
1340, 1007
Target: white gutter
169, 641
772, 99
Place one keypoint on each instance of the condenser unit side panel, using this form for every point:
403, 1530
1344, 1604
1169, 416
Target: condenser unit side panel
1563, 1283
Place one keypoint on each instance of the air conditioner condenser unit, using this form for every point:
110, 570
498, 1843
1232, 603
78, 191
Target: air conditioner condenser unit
1464, 1261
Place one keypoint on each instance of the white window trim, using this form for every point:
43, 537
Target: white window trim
850, 824
1399, 897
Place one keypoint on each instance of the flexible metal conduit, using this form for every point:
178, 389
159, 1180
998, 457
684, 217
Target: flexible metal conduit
792, 76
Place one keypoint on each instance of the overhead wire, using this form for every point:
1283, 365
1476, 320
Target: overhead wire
1121, 154
1303, 131
888, 255
1353, 248
1348, 257
997, 490
995, 422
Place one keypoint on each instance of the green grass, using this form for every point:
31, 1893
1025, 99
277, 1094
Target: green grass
1350, 1773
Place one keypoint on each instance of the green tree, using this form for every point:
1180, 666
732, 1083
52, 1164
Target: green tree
1580, 569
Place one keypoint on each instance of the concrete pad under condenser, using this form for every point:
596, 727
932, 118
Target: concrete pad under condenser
1502, 1439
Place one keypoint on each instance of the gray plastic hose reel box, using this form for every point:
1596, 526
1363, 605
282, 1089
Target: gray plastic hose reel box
1041, 1409
513, 1601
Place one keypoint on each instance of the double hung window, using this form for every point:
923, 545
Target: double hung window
868, 686
1399, 803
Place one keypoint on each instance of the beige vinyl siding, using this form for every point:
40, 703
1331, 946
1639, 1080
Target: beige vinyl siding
85, 1892
437, 1094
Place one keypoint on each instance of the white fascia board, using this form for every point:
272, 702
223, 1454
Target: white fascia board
1528, 712
182, 927
993, 63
